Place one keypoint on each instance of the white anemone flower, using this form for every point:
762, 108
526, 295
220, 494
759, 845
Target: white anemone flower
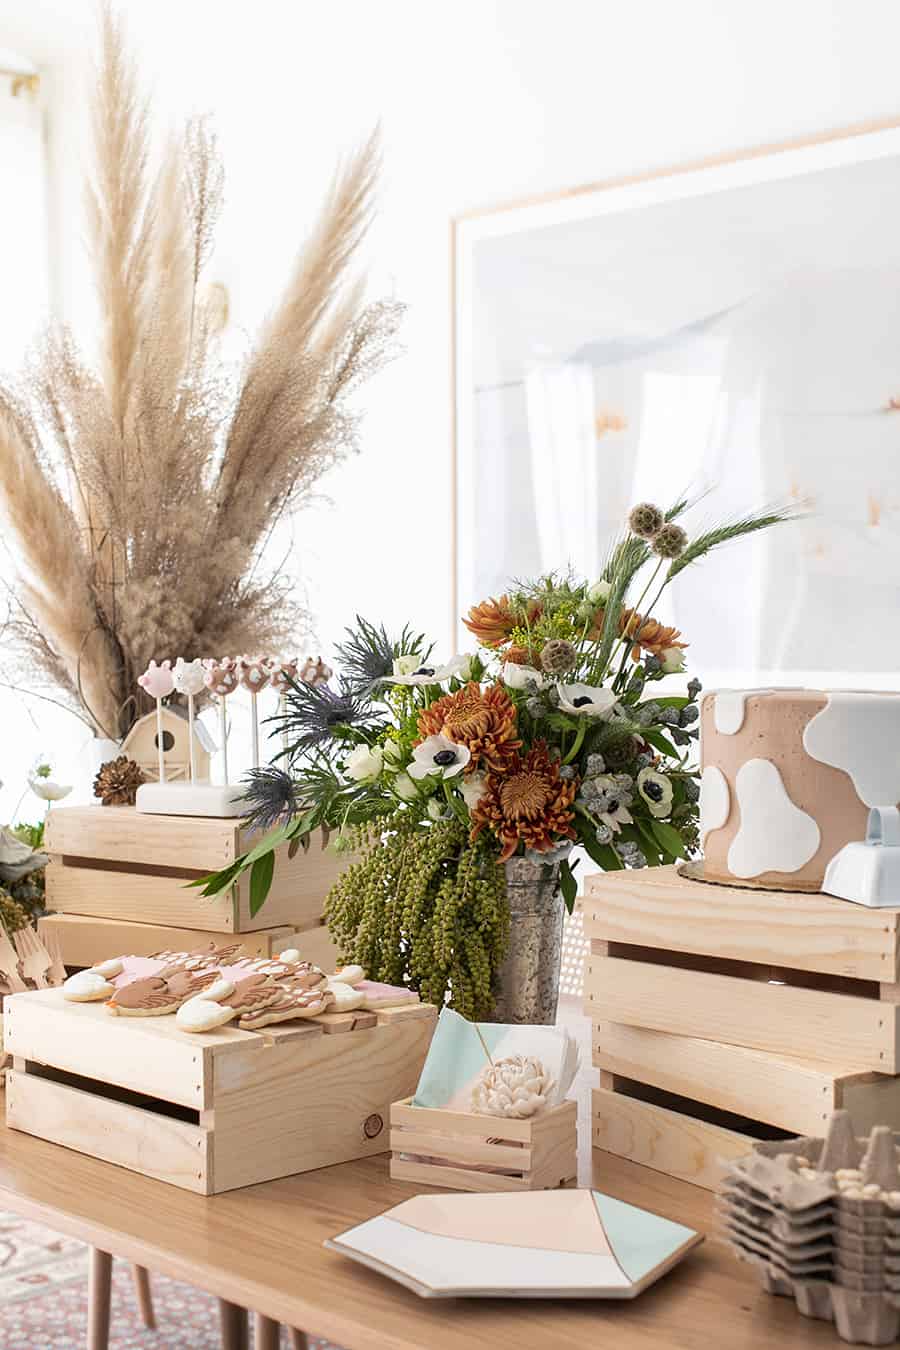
439, 755
656, 790
428, 672
587, 700
43, 784
520, 677
364, 763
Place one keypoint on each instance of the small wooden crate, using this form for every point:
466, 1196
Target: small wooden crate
119, 863
209, 1113
465, 1152
725, 1015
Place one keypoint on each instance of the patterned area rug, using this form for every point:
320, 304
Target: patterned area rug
43, 1299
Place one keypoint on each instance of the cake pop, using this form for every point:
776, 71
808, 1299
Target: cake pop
189, 678
221, 678
158, 682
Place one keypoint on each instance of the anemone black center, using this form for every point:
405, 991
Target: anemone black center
424, 670
445, 757
580, 701
613, 805
653, 791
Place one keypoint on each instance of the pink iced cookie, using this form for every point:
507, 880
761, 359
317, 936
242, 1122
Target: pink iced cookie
378, 996
157, 681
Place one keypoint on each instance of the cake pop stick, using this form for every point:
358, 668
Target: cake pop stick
189, 680
157, 681
221, 678
255, 672
284, 673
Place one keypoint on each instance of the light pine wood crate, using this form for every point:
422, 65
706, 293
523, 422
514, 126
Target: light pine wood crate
723, 1015
209, 1113
84, 941
119, 863
461, 1151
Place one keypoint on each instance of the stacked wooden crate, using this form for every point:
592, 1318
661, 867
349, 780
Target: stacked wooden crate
117, 883
724, 1015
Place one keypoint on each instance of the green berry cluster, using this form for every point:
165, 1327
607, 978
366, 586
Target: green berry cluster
424, 908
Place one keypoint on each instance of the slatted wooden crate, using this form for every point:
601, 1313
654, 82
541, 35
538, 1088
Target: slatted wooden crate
724, 1015
460, 1151
83, 941
214, 1112
119, 863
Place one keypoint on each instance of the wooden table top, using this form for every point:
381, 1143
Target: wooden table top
262, 1248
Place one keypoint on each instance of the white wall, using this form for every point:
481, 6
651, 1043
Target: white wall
481, 101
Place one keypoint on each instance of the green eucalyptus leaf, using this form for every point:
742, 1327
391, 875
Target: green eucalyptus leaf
568, 885
659, 741
668, 838
261, 874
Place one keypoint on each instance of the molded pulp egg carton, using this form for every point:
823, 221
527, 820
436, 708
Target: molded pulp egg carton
820, 1220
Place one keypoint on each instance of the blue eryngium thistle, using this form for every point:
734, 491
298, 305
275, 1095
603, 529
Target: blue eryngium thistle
271, 798
313, 717
367, 655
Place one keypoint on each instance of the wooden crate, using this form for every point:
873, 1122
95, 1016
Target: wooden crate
215, 1112
723, 1015
119, 863
460, 1151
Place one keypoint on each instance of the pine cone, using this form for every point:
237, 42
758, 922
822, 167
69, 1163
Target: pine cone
118, 781
517, 1087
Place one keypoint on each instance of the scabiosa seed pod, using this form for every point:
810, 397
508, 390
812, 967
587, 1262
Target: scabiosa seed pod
645, 520
670, 541
559, 657
689, 715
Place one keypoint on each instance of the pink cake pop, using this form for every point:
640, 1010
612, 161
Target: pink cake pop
283, 671
158, 682
254, 673
315, 672
189, 677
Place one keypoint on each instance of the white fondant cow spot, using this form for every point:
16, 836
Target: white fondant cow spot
715, 800
730, 708
860, 733
774, 835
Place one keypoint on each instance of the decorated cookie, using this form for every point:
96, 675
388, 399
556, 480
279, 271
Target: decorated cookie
346, 998
202, 1014
87, 986
253, 672
111, 968
303, 973
290, 956
283, 673
376, 997
189, 676
160, 994
157, 680
349, 974
290, 1007
221, 676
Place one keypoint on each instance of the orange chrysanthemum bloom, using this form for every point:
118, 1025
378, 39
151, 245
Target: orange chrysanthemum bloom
484, 720
649, 634
493, 621
522, 656
528, 802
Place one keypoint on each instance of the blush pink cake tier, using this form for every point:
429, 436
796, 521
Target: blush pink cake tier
788, 776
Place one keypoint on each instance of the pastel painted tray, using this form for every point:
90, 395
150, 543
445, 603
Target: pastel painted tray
538, 1244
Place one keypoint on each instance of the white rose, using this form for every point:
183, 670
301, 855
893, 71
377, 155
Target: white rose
517, 677
365, 763
672, 660
405, 665
405, 788
472, 789
598, 594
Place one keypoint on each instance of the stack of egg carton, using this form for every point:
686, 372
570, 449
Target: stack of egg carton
820, 1220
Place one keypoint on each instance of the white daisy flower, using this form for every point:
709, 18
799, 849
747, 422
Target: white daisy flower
587, 700
439, 755
43, 784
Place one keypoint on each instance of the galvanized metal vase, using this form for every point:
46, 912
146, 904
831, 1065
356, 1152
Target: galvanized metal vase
528, 982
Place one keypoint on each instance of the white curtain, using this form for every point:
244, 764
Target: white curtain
565, 466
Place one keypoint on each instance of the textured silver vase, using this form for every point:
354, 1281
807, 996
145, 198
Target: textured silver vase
528, 983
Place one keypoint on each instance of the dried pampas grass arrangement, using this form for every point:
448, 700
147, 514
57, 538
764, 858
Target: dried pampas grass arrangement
139, 494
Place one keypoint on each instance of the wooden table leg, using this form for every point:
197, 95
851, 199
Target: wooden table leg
267, 1333
298, 1340
233, 1321
144, 1297
99, 1290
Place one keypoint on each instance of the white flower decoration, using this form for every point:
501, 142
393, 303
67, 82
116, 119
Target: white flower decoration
426, 672
406, 664
405, 788
519, 677
44, 785
439, 755
364, 763
473, 788
656, 790
393, 754
598, 594
587, 700
672, 660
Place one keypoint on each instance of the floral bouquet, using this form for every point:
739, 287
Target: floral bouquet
432, 774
